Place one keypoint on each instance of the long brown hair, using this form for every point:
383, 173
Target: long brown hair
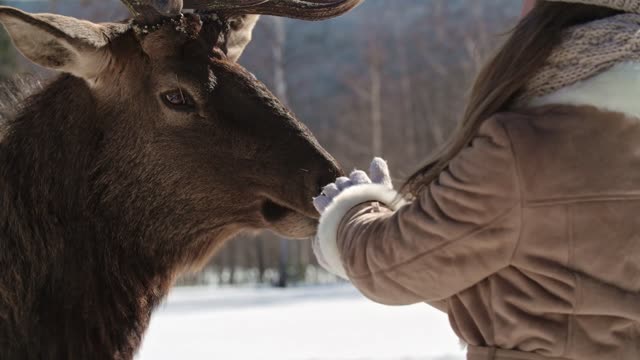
501, 80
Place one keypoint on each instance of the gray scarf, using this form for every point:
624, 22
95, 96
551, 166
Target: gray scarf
589, 49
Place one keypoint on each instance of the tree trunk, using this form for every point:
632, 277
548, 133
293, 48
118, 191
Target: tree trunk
407, 99
376, 100
280, 84
232, 262
283, 264
260, 259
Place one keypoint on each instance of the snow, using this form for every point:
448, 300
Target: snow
307, 323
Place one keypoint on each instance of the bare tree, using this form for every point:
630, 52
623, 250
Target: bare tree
280, 83
375, 96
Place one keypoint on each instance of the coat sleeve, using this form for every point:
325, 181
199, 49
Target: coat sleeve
463, 228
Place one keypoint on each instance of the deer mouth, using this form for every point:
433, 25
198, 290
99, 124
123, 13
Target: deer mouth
288, 221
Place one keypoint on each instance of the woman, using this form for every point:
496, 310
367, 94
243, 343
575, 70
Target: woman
525, 227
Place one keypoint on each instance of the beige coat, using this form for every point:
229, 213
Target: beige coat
530, 240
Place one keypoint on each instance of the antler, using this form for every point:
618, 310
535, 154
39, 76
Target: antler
299, 9
151, 11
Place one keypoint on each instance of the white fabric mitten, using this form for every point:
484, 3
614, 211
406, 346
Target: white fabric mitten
378, 174
338, 198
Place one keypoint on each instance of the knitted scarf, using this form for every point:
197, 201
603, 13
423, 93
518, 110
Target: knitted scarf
630, 6
589, 49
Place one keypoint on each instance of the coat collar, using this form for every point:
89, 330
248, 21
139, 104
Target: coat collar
616, 89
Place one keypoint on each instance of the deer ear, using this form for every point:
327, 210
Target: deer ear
240, 35
58, 42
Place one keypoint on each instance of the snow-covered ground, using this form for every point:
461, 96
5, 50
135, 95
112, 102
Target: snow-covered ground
308, 323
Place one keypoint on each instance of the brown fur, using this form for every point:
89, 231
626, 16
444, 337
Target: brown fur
106, 194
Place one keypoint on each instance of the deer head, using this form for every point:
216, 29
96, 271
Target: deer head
191, 144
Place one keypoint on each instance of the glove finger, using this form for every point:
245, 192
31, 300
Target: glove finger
331, 191
379, 171
359, 177
343, 182
321, 203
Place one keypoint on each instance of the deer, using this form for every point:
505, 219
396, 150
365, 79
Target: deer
149, 150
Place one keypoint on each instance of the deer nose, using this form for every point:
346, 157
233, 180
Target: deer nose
329, 174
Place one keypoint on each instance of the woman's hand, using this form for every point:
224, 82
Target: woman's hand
338, 198
378, 174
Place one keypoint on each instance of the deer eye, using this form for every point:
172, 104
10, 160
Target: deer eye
179, 100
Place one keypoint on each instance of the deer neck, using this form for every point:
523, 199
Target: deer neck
71, 284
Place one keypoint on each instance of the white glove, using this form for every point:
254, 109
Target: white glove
325, 249
378, 174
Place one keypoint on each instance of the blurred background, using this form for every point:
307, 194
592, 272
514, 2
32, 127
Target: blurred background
388, 79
